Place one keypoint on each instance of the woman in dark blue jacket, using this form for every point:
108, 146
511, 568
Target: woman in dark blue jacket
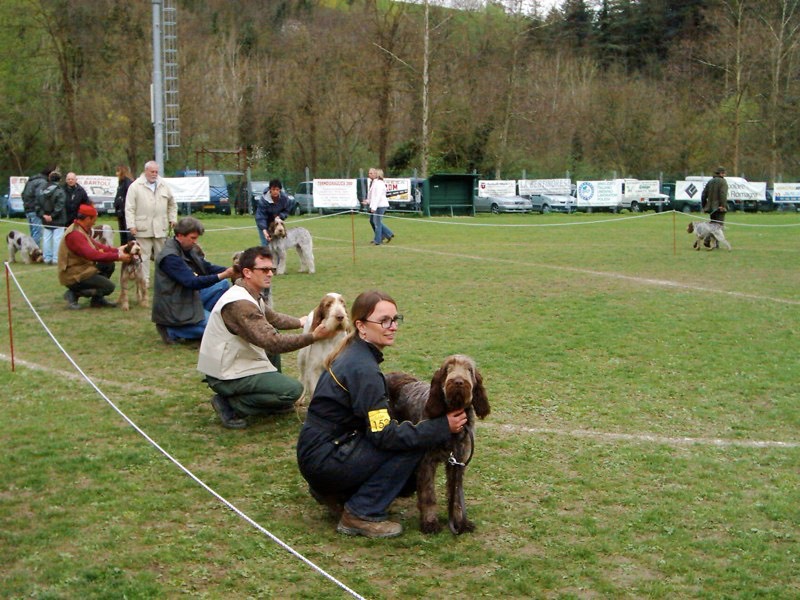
350, 450
273, 203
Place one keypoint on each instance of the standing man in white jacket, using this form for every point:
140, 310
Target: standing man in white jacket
150, 212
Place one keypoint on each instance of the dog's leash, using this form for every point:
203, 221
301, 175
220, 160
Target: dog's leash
453, 461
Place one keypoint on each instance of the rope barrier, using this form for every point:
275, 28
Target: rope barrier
167, 455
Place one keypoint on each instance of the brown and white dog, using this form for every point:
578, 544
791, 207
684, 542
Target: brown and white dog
281, 239
25, 245
456, 384
133, 272
332, 311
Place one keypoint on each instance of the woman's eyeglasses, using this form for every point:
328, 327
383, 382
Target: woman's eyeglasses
386, 322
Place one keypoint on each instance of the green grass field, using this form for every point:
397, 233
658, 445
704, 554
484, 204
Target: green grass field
644, 440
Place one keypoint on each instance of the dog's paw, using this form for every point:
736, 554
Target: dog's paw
429, 527
465, 526
124, 306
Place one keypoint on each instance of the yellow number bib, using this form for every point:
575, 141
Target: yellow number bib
378, 419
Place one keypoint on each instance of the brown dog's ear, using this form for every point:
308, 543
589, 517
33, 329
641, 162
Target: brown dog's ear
435, 406
319, 314
480, 401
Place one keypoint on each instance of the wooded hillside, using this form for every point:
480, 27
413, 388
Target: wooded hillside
619, 87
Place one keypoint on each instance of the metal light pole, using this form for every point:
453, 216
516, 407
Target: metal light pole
157, 89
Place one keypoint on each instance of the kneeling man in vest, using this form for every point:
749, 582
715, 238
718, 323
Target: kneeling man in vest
241, 331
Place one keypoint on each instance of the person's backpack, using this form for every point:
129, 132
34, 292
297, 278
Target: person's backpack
46, 197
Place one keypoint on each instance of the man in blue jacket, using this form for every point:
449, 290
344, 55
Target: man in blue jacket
187, 286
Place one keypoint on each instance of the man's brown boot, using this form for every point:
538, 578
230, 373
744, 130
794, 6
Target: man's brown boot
352, 525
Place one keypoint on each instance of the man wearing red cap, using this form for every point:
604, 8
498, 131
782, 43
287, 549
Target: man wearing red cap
84, 264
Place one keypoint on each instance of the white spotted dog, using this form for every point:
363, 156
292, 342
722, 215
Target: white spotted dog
103, 234
133, 272
332, 312
706, 232
25, 246
281, 239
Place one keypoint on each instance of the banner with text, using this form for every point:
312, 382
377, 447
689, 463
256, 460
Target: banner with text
535, 187
497, 188
335, 193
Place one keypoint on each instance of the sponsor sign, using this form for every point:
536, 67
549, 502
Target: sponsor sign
607, 193
335, 193
15, 186
398, 190
497, 188
739, 189
643, 189
100, 189
189, 189
531, 187
786, 192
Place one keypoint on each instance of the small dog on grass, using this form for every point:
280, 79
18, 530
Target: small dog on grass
25, 246
709, 234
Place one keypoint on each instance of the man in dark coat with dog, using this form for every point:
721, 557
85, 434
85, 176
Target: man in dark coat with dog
715, 196
187, 286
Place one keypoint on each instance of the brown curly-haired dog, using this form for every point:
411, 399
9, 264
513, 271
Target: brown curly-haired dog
456, 384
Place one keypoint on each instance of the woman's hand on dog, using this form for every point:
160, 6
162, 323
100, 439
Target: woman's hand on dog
456, 420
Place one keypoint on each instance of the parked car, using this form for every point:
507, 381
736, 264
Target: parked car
257, 189
501, 204
546, 203
12, 206
304, 198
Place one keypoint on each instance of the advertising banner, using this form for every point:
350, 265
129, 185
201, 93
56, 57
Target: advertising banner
398, 190
15, 186
607, 193
738, 189
534, 187
650, 188
335, 193
497, 188
189, 189
787, 192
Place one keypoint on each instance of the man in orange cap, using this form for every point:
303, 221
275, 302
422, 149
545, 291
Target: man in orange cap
84, 264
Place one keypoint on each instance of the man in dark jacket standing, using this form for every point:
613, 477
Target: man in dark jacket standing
715, 202
715, 196
52, 210
273, 203
30, 195
187, 286
76, 195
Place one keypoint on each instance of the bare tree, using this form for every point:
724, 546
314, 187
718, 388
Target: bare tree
783, 25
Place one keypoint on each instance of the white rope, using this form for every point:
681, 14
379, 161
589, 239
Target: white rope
173, 460
643, 437
610, 220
